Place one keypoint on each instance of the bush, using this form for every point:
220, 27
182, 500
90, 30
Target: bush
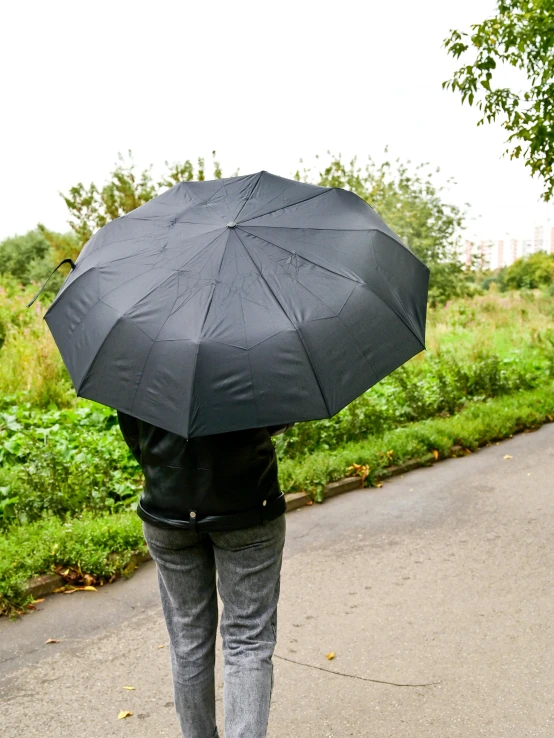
481, 422
532, 272
63, 462
439, 384
26, 256
29, 359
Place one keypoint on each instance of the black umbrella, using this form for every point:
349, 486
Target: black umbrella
239, 303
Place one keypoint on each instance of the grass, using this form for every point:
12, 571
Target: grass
501, 322
478, 424
102, 546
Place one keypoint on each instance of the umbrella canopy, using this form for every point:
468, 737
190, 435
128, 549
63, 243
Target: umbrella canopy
239, 303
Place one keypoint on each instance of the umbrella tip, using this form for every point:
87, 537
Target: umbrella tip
231, 224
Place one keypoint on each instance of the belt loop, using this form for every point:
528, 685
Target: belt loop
192, 520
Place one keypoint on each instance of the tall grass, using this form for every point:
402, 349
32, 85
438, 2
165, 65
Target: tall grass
500, 322
30, 362
495, 324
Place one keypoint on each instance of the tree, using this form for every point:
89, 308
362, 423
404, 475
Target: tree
32, 256
92, 207
20, 255
412, 205
532, 272
521, 35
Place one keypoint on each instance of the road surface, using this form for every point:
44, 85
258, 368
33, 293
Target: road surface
435, 592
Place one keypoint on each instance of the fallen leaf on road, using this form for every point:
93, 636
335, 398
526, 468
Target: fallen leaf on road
331, 655
52, 640
87, 588
507, 456
378, 484
162, 646
124, 714
128, 687
41, 600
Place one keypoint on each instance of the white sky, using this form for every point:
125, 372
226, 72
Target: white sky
264, 84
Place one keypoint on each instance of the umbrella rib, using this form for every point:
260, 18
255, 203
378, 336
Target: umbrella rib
404, 318
249, 364
202, 328
99, 266
407, 320
128, 281
122, 240
290, 205
294, 326
152, 346
309, 228
337, 274
347, 330
249, 196
396, 240
113, 326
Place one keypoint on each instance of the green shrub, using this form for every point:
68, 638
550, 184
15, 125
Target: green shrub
26, 256
479, 423
63, 462
439, 384
531, 272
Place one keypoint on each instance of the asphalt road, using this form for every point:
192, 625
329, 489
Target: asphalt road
436, 593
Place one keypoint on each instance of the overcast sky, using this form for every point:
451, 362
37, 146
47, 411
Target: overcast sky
264, 84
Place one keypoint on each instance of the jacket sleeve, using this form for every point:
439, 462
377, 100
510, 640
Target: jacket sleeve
130, 431
275, 430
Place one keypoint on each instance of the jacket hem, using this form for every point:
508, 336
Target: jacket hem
232, 521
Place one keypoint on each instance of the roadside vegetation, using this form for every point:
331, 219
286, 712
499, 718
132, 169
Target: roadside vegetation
68, 483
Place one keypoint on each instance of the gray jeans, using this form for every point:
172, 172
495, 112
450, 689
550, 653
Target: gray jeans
248, 564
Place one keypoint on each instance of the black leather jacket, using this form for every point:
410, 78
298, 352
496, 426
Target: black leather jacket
218, 482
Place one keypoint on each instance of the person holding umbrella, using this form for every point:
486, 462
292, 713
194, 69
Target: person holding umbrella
214, 316
241, 537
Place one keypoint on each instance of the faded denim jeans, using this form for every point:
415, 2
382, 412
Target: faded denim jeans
248, 564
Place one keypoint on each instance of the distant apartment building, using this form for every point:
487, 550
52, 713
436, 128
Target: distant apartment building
539, 239
526, 247
500, 255
504, 251
514, 252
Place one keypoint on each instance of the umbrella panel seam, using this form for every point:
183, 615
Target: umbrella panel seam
320, 266
123, 315
407, 321
190, 419
249, 364
249, 196
290, 205
152, 346
295, 328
